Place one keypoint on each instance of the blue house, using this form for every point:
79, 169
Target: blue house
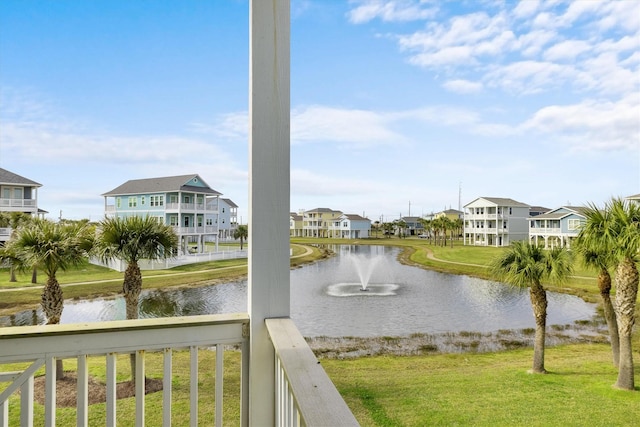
558, 227
185, 202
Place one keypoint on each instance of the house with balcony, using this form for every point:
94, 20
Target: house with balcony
495, 221
350, 226
17, 194
281, 381
185, 202
634, 198
227, 218
295, 224
556, 228
317, 222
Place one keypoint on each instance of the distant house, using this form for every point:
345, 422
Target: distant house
316, 222
494, 221
350, 226
329, 223
227, 218
558, 227
185, 202
635, 198
413, 225
295, 224
17, 194
537, 210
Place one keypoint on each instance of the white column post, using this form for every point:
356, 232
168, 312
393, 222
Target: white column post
269, 110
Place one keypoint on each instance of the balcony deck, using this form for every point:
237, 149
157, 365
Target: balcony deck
304, 393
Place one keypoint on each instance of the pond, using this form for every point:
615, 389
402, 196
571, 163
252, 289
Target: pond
326, 300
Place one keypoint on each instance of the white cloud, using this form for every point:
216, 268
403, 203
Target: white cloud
591, 124
389, 11
567, 50
463, 86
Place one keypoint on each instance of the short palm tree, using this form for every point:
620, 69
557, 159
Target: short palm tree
621, 235
592, 247
242, 233
51, 247
525, 265
132, 239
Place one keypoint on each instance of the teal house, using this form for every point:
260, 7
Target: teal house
185, 202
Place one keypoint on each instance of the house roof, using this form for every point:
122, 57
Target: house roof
634, 197
501, 201
160, 185
230, 203
558, 214
321, 210
7, 177
354, 217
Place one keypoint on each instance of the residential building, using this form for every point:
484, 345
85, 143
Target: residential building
185, 202
227, 218
494, 221
350, 226
452, 214
316, 222
413, 225
17, 194
537, 210
558, 227
295, 224
634, 198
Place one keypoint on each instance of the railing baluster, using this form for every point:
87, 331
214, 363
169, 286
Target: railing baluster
140, 387
193, 386
219, 382
166, 386
50, 392
111, 389
82, 385
26, 403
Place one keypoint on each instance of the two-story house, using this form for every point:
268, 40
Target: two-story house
17, 194
316, 222
350, 226
494, 221
296, 220
227, 218
185, 202
558, 227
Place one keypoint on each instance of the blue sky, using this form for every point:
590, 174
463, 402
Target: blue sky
395, 105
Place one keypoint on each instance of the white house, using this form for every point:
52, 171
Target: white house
494, 221
17, 194
227, 218
350, 226
558, 227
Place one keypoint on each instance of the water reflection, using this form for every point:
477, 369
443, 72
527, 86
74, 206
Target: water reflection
422, 301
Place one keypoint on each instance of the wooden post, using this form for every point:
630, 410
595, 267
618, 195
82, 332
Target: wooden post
269, 126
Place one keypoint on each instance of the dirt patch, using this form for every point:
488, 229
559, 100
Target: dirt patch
66, 390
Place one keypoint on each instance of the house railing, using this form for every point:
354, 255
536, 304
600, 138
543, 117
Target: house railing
545, 230
18, 203
205, 229
194, 207
304, 393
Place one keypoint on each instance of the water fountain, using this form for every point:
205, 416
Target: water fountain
364, 267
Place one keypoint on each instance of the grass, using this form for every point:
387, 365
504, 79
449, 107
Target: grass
490, 389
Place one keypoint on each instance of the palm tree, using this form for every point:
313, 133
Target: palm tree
526, 265
132, 239
51, 247
621, 235
592, 246
242, 233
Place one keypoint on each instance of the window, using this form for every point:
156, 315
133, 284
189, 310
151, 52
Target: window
142, 200
133, 202
156, 200
187, 199
173, 220
17, 193
118, 203
574, 224
510, 212
222, 210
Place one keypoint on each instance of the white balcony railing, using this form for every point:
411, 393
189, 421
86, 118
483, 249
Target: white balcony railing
18, 203
304, 393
